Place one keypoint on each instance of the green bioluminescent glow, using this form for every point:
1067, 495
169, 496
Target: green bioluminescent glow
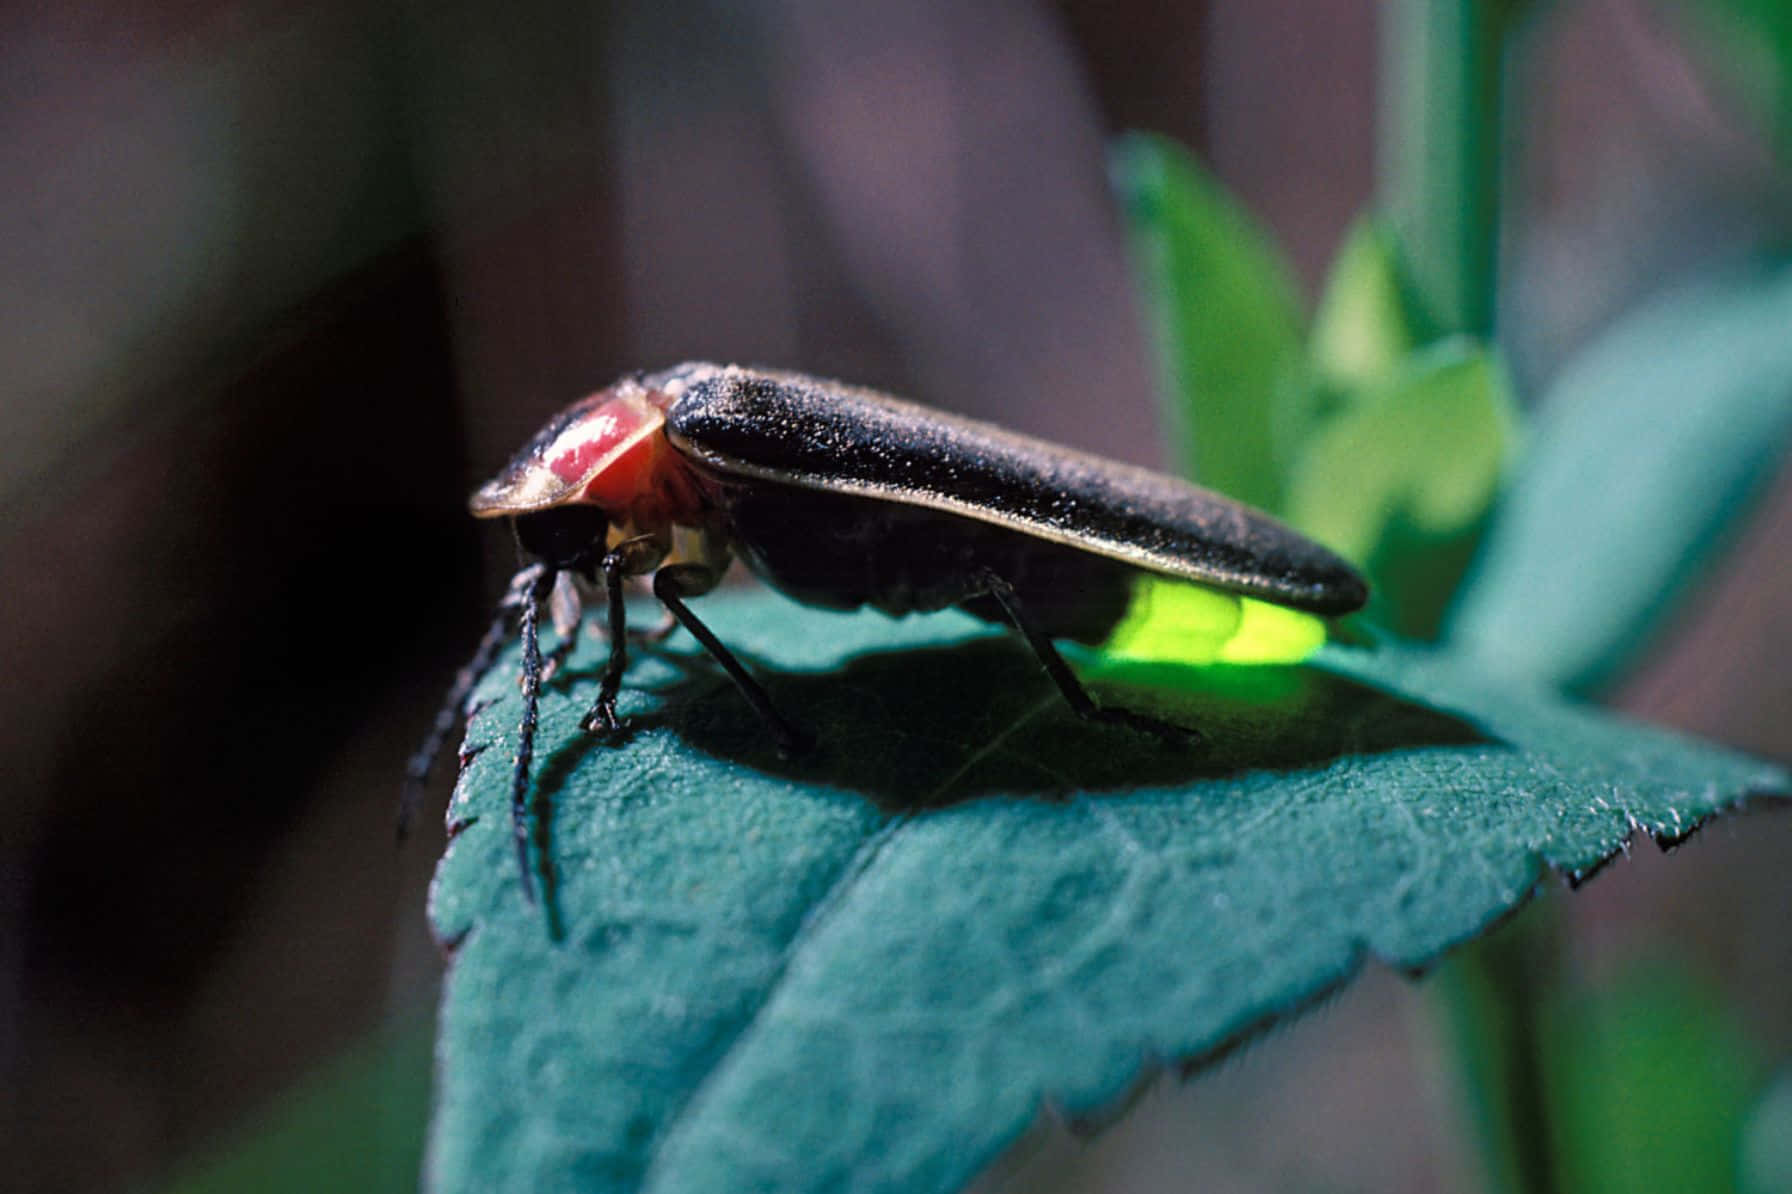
1176, 622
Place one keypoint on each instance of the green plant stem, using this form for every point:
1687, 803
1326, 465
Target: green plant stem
1491, 998
1440, 153
1441, 156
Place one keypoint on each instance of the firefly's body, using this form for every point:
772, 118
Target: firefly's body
842, 497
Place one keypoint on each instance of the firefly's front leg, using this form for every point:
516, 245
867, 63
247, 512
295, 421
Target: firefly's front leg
631, 557
569, 622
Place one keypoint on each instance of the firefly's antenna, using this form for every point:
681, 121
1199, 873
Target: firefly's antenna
453, 708
534, 594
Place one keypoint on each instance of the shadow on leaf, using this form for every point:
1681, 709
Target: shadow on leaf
930, 727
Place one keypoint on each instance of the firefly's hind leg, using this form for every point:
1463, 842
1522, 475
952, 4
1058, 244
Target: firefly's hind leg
672, 584
1074, 693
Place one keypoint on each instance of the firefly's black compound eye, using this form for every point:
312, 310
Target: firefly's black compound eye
565, 536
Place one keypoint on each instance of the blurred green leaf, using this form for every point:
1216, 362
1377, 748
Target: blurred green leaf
1767, 1140
1401, 480
1649, 445
1226, 317
356, 1125
1362, 332
1649, 1085
1748, 43
871, 967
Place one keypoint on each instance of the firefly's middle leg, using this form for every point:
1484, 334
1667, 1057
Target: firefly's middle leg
672, 584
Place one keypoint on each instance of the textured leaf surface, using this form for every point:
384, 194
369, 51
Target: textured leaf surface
1226, 317
1641, 455
871, 968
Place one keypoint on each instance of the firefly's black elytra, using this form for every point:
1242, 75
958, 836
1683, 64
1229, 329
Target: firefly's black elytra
841, 497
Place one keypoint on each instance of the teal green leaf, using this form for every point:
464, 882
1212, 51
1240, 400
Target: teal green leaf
1649, 1085
1362, 331
1643, 453
357, 1124
1226, 320
872, 967
1401, 481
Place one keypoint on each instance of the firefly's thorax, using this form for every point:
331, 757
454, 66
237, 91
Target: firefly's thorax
608, 451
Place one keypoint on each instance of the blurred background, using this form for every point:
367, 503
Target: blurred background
280, 283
